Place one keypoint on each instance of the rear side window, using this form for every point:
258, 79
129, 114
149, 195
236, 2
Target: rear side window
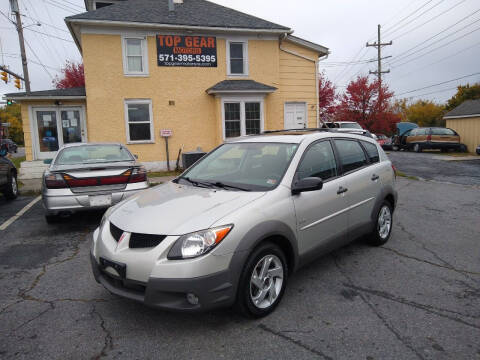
351, 154
443, 131
318, 161
421, 132
372, 151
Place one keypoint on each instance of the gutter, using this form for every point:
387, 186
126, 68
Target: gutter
315, 61
45, 97
460, 116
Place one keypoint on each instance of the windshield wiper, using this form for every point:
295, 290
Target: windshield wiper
197, 183
224, 186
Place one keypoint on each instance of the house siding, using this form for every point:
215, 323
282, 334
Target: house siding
468, 129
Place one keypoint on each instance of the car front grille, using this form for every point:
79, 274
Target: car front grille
137, 240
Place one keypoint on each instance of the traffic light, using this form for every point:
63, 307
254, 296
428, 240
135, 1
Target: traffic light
4, 76
18, 83
9, 102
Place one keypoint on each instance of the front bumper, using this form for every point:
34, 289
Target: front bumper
213, 291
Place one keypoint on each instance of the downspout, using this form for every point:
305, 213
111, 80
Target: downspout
315, 61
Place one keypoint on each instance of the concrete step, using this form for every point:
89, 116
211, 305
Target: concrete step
30, 170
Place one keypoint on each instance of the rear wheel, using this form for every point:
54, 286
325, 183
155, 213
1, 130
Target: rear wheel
417, 148
263, 281
383, 225
11, 190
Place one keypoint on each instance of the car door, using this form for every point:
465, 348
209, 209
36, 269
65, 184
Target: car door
321, 215
362, 181
4, 166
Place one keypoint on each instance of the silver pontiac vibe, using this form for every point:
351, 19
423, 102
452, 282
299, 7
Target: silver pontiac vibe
233, 227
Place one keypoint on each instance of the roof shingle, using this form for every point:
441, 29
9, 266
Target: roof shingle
239, 85
71, 92
468, 107
189, 13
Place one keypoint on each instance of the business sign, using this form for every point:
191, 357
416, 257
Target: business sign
176, 50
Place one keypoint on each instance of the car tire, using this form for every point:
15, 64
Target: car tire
417, 148
382, 230
395, 148
462, 148
259, 297
11, 189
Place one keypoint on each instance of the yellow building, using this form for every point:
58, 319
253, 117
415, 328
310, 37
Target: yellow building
200, 70
465, 120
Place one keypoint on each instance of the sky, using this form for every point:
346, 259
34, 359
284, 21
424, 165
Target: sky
434, 41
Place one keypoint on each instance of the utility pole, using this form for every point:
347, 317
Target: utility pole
16, 11
379, 45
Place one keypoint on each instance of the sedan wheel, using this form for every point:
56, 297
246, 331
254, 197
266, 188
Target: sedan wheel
11, 191
383, 225
263, 281
417, 148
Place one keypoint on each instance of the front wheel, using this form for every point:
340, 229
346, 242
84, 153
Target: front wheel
383, 225
417, 148
263, 281
11, 190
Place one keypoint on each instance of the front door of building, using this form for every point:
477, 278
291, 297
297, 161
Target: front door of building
54, 127
295, 115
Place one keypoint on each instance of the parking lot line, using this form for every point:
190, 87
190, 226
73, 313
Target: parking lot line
20, 213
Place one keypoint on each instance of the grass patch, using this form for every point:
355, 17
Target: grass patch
163, 173
410, 177
17, 161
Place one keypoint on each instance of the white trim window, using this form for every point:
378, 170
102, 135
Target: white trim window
135, 55
139, 121
242, 117
237, 58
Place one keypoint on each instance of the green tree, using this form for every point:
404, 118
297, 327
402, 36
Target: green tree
11, 114
464, 92
425, 113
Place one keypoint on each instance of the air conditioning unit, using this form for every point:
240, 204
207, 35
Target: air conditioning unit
191, 157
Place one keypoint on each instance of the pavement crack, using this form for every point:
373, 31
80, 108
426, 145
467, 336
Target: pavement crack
51, 307
445, 266
294, 341
382, 318
429, 308
108, 336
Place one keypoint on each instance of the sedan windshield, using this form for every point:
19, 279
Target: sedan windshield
350, 126
242, 166
91, 154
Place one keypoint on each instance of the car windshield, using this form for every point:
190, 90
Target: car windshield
91, 154
242, 166
350, 126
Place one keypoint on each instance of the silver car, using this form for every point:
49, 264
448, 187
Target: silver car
85, 176
233, 227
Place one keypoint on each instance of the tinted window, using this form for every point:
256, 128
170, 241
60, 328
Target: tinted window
351, 154
421, 131
372, 151
442, 131
87, 154
318, 161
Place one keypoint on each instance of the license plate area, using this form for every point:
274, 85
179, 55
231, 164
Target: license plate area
120, 268
100, 200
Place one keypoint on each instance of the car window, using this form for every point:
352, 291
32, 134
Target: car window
411, 132
351, 154
443, 131
318, 161
90, 154
421, 132
372, 151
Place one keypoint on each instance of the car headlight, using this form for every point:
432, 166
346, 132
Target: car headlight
198, 243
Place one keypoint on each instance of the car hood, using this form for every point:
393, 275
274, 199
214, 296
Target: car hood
175, 209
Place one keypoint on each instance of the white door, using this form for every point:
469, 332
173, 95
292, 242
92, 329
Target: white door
295, 115
53, 127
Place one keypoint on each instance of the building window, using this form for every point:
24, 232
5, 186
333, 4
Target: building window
237, 58
138, 114
242, 117
135, 56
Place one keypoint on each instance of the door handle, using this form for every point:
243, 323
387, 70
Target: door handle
341, 190
375, 177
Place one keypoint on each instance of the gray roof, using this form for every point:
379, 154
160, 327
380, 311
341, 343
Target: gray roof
468, 107
189, 13
78, 92
240, 86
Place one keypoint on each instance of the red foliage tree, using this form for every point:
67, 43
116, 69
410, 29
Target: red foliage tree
72, 76
326, 98
368, 105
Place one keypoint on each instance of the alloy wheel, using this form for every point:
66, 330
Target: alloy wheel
384, 222
266, 281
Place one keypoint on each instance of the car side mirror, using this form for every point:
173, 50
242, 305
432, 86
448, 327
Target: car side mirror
47, 161
307, 184
135, 156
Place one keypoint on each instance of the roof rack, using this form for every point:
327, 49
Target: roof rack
293, 130
306, 130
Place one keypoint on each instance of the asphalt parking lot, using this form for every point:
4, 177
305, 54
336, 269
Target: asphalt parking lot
417, 297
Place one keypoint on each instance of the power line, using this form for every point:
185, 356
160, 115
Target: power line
38, 59
406, 17
438, 47
434, 92
405, 54
46, 24
440, 83
73, 4
429, 20
61, 6
50, 35
420, 15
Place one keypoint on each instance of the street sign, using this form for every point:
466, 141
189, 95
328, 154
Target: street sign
166, 133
